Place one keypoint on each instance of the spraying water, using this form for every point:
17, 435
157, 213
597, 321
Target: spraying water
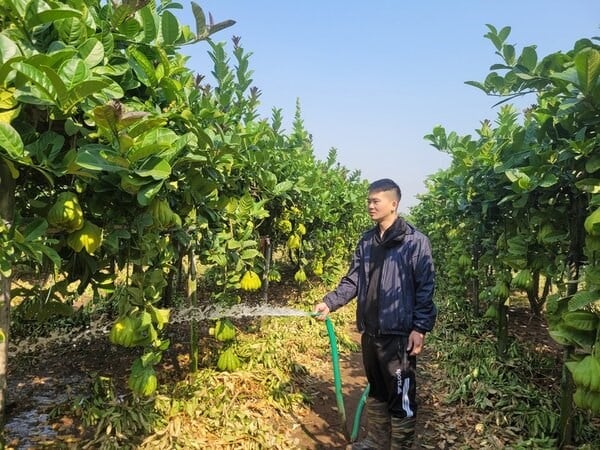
102, 325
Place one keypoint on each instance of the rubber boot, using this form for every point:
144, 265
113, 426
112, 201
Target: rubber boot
403, 433
378, 431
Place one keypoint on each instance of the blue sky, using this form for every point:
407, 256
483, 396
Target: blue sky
374, 77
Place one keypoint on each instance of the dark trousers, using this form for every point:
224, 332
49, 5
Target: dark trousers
391, 373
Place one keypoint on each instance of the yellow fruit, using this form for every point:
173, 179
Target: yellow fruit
300, 276
66, 212
224, 330
318, 268
250, 281
123, 332
500, 290
464, 260
523, 280
285, 226
228, 361
274, 275
88, 237
162, 215
142, 380
293, 242
301, 230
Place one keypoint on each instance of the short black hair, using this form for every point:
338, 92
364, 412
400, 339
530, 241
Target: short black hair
385, 184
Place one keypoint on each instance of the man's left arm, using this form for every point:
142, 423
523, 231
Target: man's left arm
425, 311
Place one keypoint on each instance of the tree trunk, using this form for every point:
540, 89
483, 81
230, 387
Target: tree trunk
267, 251
7, 208
533, 295
576, 257
502, 337
192, 288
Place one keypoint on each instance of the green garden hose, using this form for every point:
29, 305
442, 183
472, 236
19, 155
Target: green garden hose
338, 387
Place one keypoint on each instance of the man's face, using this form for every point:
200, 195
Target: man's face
381, 205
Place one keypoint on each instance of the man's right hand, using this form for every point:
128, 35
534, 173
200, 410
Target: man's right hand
321, 310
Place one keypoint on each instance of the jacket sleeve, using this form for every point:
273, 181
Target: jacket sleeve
347, 289
425, 311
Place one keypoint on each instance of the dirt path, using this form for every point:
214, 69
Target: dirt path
321, 429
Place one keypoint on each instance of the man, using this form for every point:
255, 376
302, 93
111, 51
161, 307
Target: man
392, 277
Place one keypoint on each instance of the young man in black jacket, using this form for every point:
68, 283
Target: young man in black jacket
392, 277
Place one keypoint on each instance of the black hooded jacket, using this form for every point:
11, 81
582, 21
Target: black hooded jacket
392, 277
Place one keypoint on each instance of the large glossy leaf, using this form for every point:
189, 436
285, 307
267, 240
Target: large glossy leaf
74, 72
587, 64
152, 142
148, 192
52, 15
154, 167
92, 52
282, 187
146, 125
130, 28
35, 229
169, 26
82, 90
48, 81
528, 58
98, 158
72, 31
10, 141
142, 67
108, 42
149, 26
8, 50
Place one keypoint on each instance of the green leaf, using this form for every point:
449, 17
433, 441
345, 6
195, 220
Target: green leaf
508, 51
154, 167
249, 253
200, 19
592, 164
528, 58
152, 142
108, 41
11, 141
52, 15
74, 71
8, 50
160, 316
142, 67
40, 78
169, 28
130, 28
97, 157
149, 26
35, 229
583, 298
146, 194
591, 185
569, 75
72, 31
92, 52
282, 187
504, 33
548, 180
587, 64
83, 90
146, 125
220, 26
